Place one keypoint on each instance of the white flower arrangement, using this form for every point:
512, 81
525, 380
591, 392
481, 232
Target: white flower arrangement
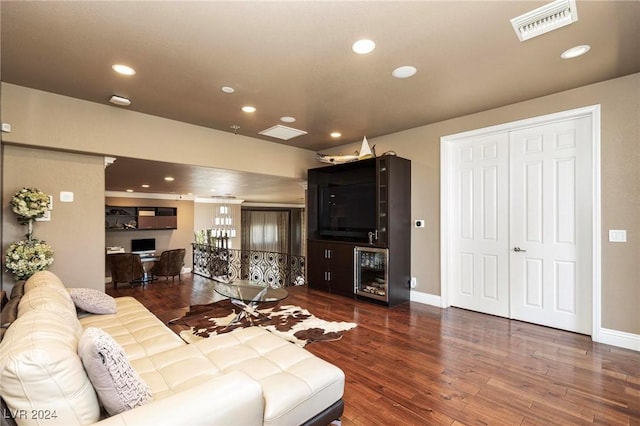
26, 257
29, 203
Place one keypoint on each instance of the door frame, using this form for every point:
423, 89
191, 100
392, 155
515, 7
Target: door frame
446, 192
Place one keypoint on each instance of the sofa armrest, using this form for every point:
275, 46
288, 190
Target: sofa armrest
231, 399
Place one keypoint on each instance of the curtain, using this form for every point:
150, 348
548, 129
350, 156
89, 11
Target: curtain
265, 231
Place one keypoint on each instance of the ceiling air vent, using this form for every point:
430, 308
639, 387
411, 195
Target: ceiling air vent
282, 132
547, 18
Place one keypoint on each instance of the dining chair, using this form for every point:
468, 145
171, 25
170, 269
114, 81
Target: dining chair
169, 264
125, 268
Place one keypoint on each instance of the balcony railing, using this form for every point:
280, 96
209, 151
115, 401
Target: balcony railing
272, 269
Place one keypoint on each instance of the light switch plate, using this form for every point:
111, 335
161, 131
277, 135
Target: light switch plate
66, 196
618, 235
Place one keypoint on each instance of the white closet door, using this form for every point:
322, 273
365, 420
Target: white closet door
550, 231
480, 241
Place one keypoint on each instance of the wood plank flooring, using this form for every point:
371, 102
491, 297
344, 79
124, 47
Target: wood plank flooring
416, 364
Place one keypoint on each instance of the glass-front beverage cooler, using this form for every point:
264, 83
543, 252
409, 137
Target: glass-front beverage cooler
371, 272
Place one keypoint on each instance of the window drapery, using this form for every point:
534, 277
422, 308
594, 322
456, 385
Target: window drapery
265, 231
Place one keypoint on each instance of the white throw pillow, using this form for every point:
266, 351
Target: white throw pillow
93, 301
118, 385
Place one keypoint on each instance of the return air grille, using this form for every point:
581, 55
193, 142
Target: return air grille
547, 18
282, 132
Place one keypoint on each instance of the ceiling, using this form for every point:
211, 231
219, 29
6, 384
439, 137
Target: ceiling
195, 181
294, 58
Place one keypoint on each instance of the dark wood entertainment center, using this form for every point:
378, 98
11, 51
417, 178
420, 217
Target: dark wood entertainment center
359, 229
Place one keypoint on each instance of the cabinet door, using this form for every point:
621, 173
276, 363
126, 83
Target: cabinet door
341, 268
382, 200
157, 222
167, 222
317, 267
393, 200
147, 222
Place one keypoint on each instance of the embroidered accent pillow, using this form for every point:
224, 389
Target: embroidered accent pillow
93, 301
118, 385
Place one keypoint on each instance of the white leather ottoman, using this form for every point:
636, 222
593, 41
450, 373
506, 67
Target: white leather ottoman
296, 385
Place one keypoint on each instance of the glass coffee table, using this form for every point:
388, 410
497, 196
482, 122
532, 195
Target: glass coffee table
248, 296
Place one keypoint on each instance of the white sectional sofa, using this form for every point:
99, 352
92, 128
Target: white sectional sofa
246, 377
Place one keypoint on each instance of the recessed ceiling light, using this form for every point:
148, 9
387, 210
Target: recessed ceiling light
129, 190
576, 51
169, 178
123, 69
336, 134
363, 46
249, 108
144, 185
404, 72
120, 100
227, 89
287, 119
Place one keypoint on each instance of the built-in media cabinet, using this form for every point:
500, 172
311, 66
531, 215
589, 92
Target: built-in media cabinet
140, 218
359, 229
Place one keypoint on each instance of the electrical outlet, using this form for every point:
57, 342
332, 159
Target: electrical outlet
414, 282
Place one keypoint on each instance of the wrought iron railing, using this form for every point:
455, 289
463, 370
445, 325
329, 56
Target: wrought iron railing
273, 269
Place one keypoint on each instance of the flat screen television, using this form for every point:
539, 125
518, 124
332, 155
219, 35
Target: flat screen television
143, 245
347, 212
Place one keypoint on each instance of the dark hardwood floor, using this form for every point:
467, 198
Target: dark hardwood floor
416, 364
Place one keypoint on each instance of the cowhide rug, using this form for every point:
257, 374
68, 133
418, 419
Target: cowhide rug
290, 322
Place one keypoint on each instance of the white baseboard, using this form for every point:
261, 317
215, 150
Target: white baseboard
607, 336
426, 298
618, 338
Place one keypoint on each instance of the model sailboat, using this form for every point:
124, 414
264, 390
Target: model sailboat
365, 152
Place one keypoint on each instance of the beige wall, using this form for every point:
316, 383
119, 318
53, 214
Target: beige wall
620, 164
59, 122
61, 125
44, 119
76, 229
182, 237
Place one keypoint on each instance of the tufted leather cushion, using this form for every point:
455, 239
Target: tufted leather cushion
39, 367
50, 299
295, 383
233, 399
136, 329
44, 279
